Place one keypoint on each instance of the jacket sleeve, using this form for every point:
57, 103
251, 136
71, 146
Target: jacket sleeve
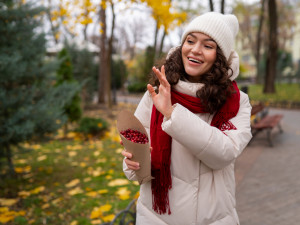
143, 114
210, 145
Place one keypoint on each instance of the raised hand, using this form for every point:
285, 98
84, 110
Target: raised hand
162, 100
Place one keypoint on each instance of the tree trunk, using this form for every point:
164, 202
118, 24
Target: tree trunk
272, 52
84, 32
223, 6
258, 39
85, 27
9, 160
109, 57
211, 5
102, 59
155, 41
162, 44
51, 24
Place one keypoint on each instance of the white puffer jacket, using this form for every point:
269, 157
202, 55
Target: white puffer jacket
202, 165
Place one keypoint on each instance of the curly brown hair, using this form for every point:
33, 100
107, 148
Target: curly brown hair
217, 85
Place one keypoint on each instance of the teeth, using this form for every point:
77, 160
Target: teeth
194, 60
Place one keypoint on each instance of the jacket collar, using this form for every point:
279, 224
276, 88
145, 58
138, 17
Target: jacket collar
187, 87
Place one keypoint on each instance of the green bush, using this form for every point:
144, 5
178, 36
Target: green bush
137, 87
92, 126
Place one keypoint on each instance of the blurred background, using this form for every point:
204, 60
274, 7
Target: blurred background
67, 67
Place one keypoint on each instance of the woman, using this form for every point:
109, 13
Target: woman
199, 123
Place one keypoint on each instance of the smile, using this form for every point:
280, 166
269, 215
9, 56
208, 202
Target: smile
194, 60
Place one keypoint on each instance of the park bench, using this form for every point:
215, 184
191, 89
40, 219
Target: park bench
126, 216
261, 120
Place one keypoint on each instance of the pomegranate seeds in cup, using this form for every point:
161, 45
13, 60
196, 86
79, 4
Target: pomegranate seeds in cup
135, 136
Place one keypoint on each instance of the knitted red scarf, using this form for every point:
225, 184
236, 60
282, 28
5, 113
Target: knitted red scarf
161, 142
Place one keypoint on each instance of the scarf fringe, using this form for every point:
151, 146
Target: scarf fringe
161, 185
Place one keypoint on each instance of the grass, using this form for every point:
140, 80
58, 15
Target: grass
67, 181
285, 93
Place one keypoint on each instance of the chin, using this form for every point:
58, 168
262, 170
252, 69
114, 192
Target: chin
193, 74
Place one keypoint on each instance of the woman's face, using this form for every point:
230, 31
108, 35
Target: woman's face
199, 53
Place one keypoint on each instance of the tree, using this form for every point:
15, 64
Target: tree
259, 38
223, 6
269, 85
166, 17
211, 5
85, 70
59, 18
105, 55
30, 105
65, 74
254, 33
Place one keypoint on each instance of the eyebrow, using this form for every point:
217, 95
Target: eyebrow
208, 39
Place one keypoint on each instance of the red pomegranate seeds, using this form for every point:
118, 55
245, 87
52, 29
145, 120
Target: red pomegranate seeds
135, 136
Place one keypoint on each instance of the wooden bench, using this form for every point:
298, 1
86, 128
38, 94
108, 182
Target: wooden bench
257, 108
264, 121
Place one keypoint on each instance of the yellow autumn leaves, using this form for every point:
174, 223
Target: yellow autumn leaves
164, 14
7, 215
83, 12
68, 180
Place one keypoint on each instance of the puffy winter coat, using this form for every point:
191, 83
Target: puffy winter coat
202, 165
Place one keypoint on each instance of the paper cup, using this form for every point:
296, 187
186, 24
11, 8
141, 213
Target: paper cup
140, 152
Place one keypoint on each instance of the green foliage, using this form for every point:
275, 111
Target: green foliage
85, 71
137, 87
149, 62
284, 61
284, 92
119, 73
92, 126
139, 69
30, 104
65, 74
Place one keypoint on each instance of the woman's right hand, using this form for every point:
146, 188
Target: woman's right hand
130, 164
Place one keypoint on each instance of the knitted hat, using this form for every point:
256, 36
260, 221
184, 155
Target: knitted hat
222, 28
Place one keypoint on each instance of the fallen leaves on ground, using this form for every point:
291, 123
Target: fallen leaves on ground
118, 182
123, 193
68, 176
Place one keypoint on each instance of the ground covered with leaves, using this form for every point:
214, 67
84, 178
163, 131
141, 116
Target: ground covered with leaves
68, 180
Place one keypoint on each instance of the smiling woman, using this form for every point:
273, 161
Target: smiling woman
199, 53
199, 123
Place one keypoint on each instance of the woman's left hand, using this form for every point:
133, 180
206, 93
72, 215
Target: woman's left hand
162, 100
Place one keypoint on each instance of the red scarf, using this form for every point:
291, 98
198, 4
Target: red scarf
161, 142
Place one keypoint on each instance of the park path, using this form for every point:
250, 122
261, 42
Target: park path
268, 178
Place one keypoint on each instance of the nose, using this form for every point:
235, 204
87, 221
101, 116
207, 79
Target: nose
197, 49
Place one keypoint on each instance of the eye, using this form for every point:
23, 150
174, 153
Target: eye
208, 46
189, 41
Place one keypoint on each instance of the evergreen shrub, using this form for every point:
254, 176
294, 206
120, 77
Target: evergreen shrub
137, 87
92, 126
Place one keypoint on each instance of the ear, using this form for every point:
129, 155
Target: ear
234, 63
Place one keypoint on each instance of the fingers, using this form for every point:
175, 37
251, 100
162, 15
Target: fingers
161, 75
130, 164
126, 154
163, 70
151, 90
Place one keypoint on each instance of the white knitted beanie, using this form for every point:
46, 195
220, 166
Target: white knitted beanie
222, 28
